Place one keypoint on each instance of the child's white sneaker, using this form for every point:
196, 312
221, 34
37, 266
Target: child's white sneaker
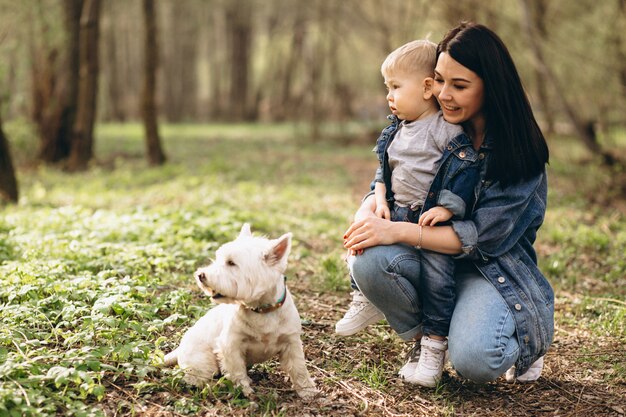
430, 365
360, 314
532, 374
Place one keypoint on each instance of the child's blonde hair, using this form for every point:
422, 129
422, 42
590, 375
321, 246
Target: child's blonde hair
418, 56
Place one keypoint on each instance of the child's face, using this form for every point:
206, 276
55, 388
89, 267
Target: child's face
406, 95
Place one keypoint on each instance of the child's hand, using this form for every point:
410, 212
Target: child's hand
435, 215
382, 211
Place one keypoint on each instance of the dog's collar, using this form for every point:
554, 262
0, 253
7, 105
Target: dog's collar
268, 308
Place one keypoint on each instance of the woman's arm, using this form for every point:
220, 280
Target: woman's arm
373, 231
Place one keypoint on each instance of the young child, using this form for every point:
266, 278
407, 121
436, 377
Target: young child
409, 151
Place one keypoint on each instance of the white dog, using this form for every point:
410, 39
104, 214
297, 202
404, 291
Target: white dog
255, 320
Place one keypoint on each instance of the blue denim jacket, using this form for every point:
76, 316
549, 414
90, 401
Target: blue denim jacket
498, 239
497, 236
458, 172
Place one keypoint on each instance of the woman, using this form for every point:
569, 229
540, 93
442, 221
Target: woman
504, 314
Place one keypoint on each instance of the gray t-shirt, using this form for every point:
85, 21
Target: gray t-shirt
414, 155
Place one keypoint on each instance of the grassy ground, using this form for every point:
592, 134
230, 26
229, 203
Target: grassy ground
95, 274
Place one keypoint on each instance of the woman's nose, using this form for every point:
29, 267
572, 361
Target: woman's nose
444, 94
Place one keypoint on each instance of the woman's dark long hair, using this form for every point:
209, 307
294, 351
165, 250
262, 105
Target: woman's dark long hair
520, 150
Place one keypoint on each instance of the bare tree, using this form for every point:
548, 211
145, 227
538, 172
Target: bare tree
585, 129
538, 13
239, 26
180, 59
82, 135
149, 109
8, 182
115, 104
55, 85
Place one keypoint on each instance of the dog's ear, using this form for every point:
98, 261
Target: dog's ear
245, 230
278, 253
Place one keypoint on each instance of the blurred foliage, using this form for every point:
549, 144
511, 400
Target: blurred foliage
317, 58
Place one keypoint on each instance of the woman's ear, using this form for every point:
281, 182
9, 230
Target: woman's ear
428, 87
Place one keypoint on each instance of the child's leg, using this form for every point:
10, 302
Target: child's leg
437, 293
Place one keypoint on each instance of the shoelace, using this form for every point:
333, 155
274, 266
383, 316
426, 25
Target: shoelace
355, 308
414, 354
432, 356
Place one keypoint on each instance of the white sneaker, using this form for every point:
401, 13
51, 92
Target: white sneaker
411, 359
532, 374
361, 314
430, 365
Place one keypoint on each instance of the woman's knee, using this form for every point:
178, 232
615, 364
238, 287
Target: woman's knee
479, 363
367, 268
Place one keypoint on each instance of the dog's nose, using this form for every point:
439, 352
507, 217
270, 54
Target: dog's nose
201, 277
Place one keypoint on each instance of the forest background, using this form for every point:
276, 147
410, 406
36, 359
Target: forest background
136, 136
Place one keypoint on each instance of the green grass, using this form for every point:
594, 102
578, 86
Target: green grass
95, 268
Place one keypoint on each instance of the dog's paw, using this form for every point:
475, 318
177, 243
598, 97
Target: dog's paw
247, 390
308, 393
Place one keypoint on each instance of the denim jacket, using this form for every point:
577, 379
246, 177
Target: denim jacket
497, 236
498, 239
458, 172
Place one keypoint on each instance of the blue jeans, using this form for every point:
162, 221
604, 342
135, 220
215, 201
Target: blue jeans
436, 285
481, 341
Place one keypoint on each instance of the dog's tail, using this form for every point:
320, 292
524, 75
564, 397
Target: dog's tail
171, 359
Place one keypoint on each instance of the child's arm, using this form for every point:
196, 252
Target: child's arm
382, 208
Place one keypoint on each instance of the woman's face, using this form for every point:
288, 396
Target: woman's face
460, 92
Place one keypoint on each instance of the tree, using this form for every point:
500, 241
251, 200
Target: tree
585, 129
149, 109
55, 86
82, 132
180, 60
239, 26
8, 182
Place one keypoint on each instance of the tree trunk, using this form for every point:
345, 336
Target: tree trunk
288, 106
584, 128
82, 135
539, 16
116, 91
180, 51
239, 22
620, 43
8, 183
149, 108
55, 90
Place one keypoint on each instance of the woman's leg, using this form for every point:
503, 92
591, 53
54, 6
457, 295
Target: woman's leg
389, 276
481, 342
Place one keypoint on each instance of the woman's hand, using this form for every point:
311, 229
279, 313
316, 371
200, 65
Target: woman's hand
368, 232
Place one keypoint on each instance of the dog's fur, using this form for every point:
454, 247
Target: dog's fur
246, 274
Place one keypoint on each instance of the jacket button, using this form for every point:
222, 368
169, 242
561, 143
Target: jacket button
462, 154
449, 147
501, 280
481, 156
431, 194
518, 307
